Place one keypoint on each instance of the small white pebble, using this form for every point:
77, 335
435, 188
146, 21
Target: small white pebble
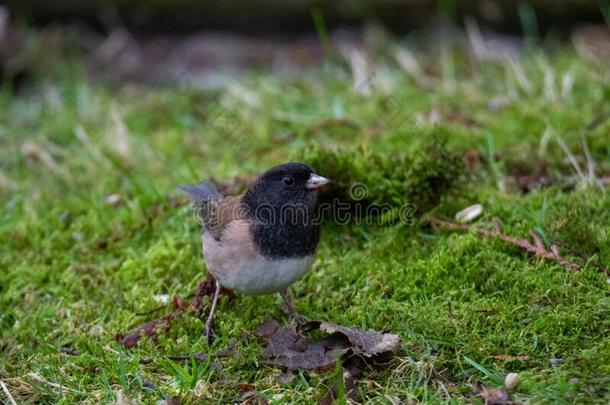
511, 380
161, 298
469, 213
113, 199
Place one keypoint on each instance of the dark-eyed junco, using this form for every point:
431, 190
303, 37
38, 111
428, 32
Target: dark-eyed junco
264, 240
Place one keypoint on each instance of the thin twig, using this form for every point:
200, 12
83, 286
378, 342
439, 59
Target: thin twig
37, 377
7, 393
536, 248
576, 253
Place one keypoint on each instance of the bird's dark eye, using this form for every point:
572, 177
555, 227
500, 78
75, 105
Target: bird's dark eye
288, 180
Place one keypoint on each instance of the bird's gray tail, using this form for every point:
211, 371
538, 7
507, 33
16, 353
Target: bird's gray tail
202, 192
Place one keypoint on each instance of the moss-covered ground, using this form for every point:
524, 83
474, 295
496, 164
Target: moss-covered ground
93, 230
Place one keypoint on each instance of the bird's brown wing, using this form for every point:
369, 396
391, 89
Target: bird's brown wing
221, 213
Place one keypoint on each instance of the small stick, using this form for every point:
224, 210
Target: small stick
7, 393
289, 309
536, 248
594, 262
38, 378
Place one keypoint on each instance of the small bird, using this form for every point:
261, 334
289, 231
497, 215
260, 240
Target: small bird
264, 240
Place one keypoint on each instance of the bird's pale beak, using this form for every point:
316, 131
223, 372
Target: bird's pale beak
316, 181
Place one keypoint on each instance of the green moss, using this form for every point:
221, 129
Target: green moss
75, 270
420, 177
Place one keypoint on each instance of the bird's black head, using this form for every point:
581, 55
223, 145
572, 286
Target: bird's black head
282, 204
284, 187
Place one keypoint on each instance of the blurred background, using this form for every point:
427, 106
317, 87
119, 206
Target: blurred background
170, 41
105, 107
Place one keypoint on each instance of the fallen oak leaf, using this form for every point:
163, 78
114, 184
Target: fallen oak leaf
367, 343
288, 349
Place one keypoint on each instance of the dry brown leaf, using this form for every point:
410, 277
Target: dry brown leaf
492, 396
287, 348
367, 343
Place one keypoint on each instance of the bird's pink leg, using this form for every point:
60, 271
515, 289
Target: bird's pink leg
289, 308
208, 324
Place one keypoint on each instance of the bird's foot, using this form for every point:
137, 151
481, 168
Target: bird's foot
289, 308
208, 332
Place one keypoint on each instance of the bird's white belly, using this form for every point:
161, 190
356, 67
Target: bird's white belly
238, 266
265, 276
